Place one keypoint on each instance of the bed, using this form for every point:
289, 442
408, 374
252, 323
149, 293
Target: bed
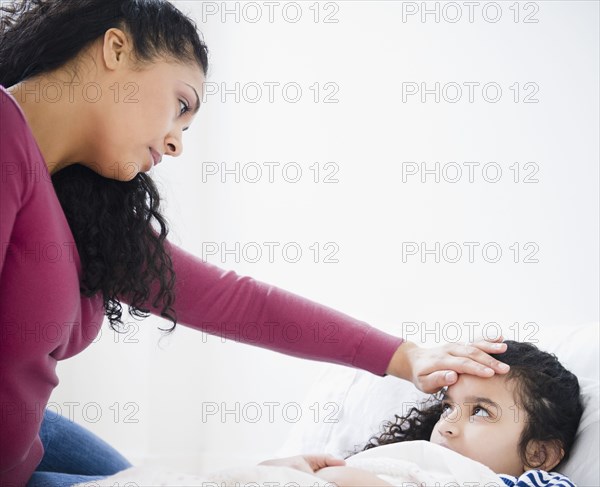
350, 393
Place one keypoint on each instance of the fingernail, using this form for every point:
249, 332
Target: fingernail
504, 366
497, 346
487, 370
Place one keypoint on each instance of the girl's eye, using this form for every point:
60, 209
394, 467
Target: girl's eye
185, 109
479, 409
445, 407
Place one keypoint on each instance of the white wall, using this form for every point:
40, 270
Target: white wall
369, 133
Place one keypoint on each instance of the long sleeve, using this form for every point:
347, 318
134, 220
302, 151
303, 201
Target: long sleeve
25, 382
224, 303
13, 151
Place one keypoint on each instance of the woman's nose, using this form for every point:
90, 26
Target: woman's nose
174, 147
174, 144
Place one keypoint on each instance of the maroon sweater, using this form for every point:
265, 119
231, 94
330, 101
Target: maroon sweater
45, 318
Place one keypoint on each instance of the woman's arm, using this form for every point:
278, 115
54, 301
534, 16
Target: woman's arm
237, 307
224, 303
350, 477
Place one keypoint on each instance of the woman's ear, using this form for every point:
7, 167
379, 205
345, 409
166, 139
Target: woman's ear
115, 44
544, 455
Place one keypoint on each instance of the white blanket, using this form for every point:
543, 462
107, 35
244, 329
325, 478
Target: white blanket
407, 464
421, 463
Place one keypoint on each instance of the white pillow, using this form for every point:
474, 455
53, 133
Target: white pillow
354, 403
577, 350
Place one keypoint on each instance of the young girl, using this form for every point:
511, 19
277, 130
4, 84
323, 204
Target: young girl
520, 425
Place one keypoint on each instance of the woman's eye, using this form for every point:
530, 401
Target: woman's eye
185, 109
445, 408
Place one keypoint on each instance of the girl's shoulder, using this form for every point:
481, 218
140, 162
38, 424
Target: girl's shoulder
536, 478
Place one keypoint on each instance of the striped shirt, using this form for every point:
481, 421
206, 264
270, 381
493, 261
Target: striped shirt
537, 478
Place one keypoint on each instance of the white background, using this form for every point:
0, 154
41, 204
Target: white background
369, 133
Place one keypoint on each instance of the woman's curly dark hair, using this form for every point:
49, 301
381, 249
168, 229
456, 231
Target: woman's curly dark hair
121, 253
547, 392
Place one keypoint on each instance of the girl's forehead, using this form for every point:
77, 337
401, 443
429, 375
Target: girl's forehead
496, 388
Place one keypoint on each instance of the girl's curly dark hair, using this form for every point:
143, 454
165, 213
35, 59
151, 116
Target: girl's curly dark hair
121, 254
544, 389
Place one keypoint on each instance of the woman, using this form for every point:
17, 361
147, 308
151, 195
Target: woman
93, 93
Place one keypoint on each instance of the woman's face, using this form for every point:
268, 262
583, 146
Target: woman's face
138, 111
153, 109
482, 421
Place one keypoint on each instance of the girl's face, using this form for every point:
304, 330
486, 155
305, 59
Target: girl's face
482, 421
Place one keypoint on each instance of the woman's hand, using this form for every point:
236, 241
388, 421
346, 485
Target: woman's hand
306, 463
431, 369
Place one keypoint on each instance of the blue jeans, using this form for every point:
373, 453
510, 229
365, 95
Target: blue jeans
73, 455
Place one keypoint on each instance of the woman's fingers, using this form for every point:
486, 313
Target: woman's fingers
436, 380
497, 339
492, 345
473, 358
430, 369
468, 359
439, 367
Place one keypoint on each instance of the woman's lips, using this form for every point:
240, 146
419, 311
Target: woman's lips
156, 157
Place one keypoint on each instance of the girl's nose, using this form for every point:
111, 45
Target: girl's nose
449, 422
449, 430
